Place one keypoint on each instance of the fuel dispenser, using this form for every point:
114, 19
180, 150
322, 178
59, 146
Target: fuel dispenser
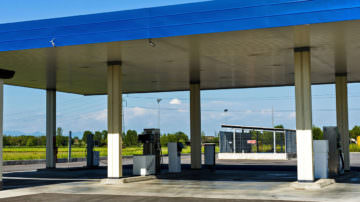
174, 150
55, 149
89, 150
150, 139
92, 157
336, 155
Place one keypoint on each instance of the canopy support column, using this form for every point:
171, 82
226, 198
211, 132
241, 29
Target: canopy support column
50, 128
305, 157
195, 125
342, 116
114, 120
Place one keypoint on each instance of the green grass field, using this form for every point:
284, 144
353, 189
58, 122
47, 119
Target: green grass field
30, 153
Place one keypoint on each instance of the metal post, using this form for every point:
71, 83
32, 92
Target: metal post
234, 147
158, 101
285, 134
257, 141
241, 142
281, 143
274, 138
220, 146
69, 148
262, 140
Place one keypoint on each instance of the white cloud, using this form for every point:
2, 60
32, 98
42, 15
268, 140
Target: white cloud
175, 101
138, 112
292, 115
249, 111
265, 111
98, 115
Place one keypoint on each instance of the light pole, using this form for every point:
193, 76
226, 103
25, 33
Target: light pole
225, 114
272, 117
158, 101
123, 116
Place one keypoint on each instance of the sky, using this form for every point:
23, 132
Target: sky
24, 108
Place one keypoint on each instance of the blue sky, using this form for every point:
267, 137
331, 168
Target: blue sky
24, 108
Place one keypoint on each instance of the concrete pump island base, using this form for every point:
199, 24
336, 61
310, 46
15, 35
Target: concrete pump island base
206, 45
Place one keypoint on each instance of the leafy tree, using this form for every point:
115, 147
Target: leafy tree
77, 141
354, 132
279, 126
317, 133
60, 139
177, 137
6, 140
97, 138
59, 131
85, 134
164, 140
31, 141
182, 137
104, 135
41, 141
203, 136
131, 138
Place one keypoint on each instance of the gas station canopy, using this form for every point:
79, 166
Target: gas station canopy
222, 44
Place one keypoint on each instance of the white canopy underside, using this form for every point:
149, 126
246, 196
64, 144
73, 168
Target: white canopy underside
239, 59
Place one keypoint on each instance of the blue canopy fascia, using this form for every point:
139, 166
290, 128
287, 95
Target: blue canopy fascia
177, 20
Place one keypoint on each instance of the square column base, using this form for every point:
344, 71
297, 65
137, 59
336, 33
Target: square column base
319, 184
115, 181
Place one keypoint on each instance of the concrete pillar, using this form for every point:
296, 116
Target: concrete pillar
1, 129
342, 116
304, 139
114, 120
195, 125
50, 128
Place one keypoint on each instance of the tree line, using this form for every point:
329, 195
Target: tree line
130, 138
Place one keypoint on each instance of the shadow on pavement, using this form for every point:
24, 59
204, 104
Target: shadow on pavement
221, 172
42, 177
254, 173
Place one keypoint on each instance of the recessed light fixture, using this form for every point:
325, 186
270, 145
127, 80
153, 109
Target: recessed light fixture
224, 77
255, 54
52, 42
151, 43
